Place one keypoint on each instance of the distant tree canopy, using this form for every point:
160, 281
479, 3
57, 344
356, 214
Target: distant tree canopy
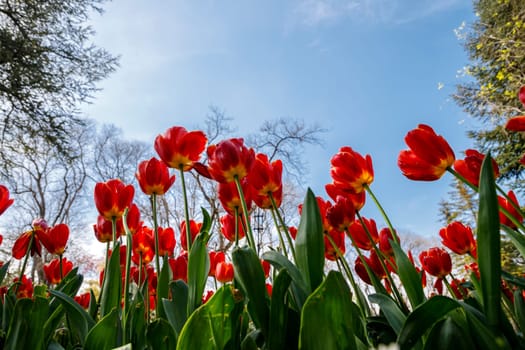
495, 43
47, 67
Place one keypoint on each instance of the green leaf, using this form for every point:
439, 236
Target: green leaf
176, 308
423, 319
298, 288
25, 329
483, 335
3, 271
279, 312
111, 294
410, 278
105, 335
206, 223
488, 239
79, 319
160, 335
212, 325
309, 243
136, 325
198, 268
326, 319
249, 273
519, 309
395, 316
448, 334
516, 238
163, 286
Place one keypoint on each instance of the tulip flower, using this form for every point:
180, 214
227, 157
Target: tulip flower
179, 148
436, 262
224, 272
428, 157
166, 241
228, 227
55, 239
143, 246
25, 287
351, 171
207, 296
470, 167
373, 263
458, 238
506, 204
521, 95
154, 177
338, 239
266, 179
266, 268
52, 270
179, 267
342, 214
460, 292
385, 235
21, 245
293, 231
83, 300
357, 199
195, 228
112, 198
359, 235
103, 228
269, 289
516, 123
215, 258
230, 159
229, 196
5, 201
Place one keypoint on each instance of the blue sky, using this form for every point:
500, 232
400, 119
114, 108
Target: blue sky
366, 70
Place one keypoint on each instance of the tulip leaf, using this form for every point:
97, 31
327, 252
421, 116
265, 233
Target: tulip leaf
423, 318
326, 318
279, 312
136, 324
176, 308
79, 319
198, 268
448, 334
298, 287
206, 223
395, 316
160, 335
410, 278
309, 243
105, 334
111, 294
249, 272
212, 326
488, 239
3, 271
483, 335
163, 286
25, 329
516, 238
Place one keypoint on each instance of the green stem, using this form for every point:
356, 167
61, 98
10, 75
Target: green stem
383, 213
114, 230
156, 232
127, 276
236, 226
186, 209
60, 266
283, 225
279, 234
249, 232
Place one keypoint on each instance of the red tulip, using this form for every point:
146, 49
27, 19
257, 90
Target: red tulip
428, 157
516, 123
83, 300
266, 268
385, 235
215, 258
351, 171
112, 198
21, 245
293, 231
229, 196
166, 241
180, 149
373, 263
458, 238
143, 246
179, 267
229, 159
359, 235
342, 214
338, 238
357, 199
521, 95
436, 262
195, 228
266, 178
504, 203
55, 239
104, 228
5, 201
323, 206
470, 167
154, 177
25, 287
460, 292
228, 227
52, 270
207, 296
224, 272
